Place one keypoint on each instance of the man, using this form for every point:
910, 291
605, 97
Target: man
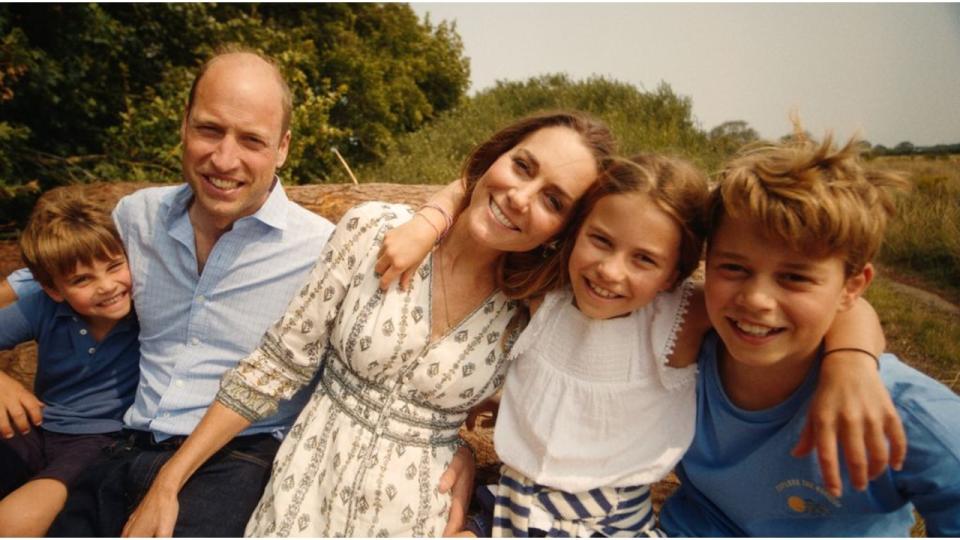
214, 263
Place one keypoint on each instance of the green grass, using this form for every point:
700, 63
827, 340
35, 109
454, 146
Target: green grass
921, 334
923, 241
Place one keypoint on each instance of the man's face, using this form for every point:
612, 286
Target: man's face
232, 143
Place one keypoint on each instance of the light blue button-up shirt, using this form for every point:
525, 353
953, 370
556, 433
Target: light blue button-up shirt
193, 327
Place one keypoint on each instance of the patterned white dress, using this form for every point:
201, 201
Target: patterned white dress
365, 456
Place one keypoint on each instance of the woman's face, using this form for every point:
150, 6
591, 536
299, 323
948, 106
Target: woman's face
528, 194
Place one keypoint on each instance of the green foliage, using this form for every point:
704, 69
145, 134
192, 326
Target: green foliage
924, 238
729, 137
642, 121
96, 92
925, 336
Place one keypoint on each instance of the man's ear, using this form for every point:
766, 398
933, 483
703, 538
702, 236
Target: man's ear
53, 293
283, 149
855, 286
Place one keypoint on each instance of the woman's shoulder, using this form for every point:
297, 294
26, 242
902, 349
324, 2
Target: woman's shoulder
379, 210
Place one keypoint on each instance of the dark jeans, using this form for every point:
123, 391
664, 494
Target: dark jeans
216, 501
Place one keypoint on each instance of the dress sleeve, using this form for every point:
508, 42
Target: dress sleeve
291, 351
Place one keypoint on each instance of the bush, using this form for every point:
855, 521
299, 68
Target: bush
642, 121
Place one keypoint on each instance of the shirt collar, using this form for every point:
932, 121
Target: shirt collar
273, 212
63, 310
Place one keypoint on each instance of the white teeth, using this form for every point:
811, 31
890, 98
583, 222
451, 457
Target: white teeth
111, 301
220, 183
754, 329
600, 291
498, 214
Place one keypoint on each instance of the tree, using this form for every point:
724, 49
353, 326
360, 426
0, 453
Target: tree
101, 97
903, 148
643, 121
732, 135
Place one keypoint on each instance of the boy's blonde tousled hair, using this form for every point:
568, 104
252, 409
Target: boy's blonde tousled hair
65, 230
817, 199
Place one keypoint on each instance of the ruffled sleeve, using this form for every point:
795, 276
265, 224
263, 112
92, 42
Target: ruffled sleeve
671, 309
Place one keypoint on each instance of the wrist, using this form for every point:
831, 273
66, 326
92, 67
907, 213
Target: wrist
438, 218
436, 231
848, 352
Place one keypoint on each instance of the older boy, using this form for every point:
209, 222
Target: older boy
87, 361
793, 230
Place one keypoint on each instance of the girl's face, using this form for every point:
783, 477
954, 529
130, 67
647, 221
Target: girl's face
625, 253
526, 196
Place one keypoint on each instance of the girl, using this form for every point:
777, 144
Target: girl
599, 401
591, 413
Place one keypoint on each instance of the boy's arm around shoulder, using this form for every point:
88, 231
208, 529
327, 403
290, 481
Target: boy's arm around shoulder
19, 407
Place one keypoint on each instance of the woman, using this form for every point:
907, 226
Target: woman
400, 368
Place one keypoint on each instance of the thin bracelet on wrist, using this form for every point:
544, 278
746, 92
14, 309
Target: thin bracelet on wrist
447, 218
432, 226
853, 349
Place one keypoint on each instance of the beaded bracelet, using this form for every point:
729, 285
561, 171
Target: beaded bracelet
853, 349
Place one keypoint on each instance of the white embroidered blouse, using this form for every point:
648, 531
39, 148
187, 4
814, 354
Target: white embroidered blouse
591, 403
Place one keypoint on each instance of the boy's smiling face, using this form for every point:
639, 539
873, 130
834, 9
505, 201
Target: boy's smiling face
770, 304
98, 292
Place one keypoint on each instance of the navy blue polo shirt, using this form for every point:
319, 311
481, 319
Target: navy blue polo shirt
86, 386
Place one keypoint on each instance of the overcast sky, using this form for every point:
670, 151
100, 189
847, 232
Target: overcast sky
891, 70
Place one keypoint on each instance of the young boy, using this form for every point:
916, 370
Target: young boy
88, 361
792, 231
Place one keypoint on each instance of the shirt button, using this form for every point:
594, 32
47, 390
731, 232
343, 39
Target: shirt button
179, 383
195, 341
83, 331
91, 350
201, 299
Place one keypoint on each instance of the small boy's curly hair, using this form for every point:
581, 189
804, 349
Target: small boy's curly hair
65, 230
813, 197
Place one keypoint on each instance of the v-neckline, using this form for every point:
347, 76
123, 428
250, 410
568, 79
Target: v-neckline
431, 342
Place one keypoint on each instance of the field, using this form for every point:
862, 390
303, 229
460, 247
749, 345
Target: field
918, 286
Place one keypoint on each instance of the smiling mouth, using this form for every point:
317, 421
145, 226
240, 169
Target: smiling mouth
113, 300
600, 291
755, 330
222, 183
501, 217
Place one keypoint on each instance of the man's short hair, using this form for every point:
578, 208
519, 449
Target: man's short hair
817, 199
65, 230
286, 103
